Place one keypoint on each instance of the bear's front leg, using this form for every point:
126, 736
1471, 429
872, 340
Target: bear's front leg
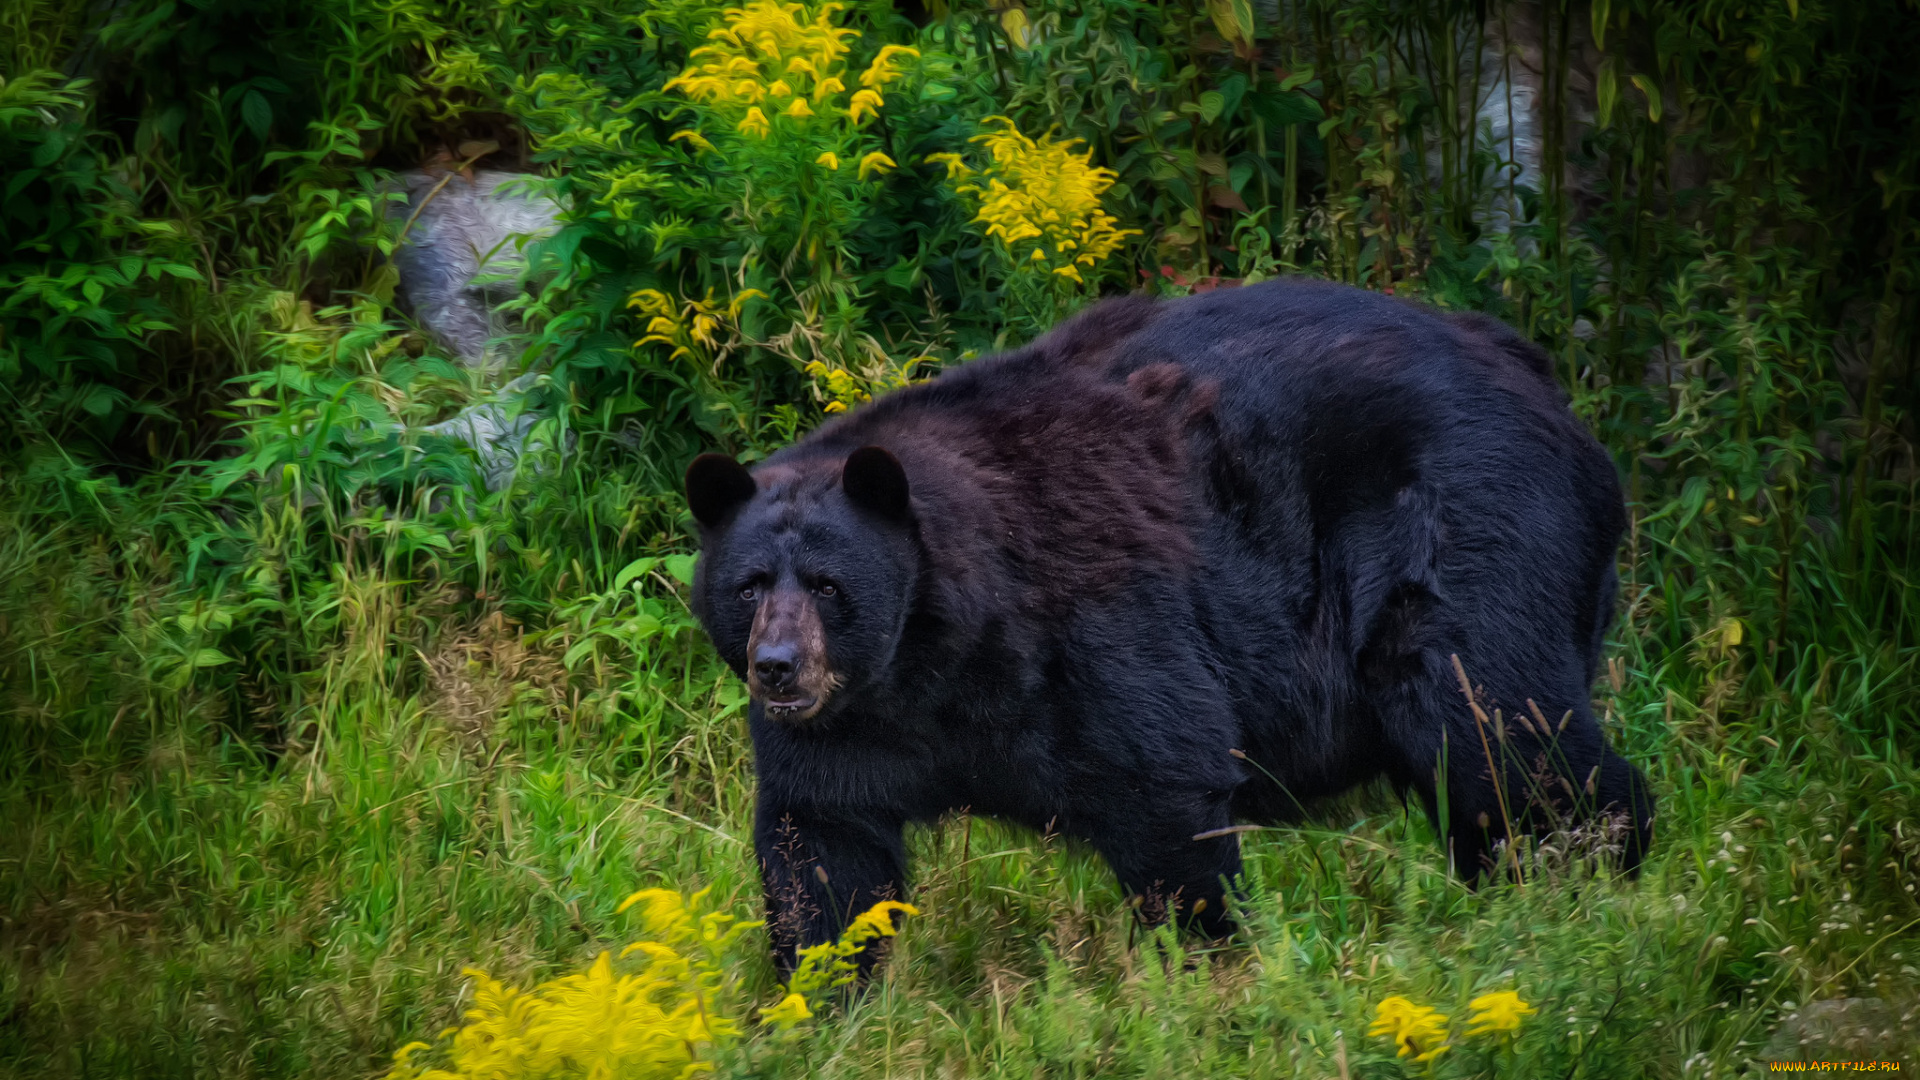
1174, 858
821, 868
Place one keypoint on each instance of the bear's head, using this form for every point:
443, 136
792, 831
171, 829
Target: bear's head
806, 573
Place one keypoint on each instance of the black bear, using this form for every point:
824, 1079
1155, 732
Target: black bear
1171, 566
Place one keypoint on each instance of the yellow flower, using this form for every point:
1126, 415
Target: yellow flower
956, 168
830, 159
830, 964
873, 163
791, 1010
1019, 31
785, 56
688, 328
877, 921
881, 72
693, 137
1040, 199
1414, 1029
659, 1019
828, 87
771, 50
1501, 1012
864, 101
652, 302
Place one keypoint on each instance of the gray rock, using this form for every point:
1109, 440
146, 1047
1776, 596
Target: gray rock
464, 251
1842, 1029
462, 255
500, 431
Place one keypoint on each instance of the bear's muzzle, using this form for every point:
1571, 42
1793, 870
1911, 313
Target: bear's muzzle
787, 657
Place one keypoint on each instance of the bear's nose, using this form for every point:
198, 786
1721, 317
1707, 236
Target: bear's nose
774, 662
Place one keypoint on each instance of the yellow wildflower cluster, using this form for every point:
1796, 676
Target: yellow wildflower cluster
656, 1022
688, 327
844, 389
1040, 199
1414, 1029
1423, 1033
773, 63
830, 965
1500, 1013
661, 1021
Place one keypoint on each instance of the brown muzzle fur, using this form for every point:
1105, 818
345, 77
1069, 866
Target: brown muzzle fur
787, 617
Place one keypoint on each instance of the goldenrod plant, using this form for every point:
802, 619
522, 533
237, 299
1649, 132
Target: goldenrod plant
1415, 1031
1422, 1034
661, 1017
780, 108
1038, 203
659, 1010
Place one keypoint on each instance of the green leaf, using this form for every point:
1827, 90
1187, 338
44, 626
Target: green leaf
1232, 89
633, 570
574, 655
256, 114
1652, 91
20, 180
681, 568
903, 274
205, 658
1211, 104
48, 152
99, 400
1282, 109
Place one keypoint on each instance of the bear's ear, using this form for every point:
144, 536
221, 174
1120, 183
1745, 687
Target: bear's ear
873, 479
716, 485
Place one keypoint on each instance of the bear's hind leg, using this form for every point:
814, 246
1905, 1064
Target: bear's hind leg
1622, 789
1174, 858
1480, 773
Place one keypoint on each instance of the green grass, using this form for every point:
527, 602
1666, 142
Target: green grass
176, 901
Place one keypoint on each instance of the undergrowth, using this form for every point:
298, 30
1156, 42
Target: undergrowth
299, 721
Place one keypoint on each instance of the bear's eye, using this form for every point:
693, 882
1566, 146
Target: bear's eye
825, 588
747, 593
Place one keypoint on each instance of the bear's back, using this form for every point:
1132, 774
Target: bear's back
1116, 443
1347, 425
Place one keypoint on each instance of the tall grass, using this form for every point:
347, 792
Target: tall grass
297, 720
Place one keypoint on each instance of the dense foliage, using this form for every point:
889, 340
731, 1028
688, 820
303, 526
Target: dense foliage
298, 719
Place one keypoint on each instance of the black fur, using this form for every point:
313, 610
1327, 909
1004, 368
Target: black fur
1259, 520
